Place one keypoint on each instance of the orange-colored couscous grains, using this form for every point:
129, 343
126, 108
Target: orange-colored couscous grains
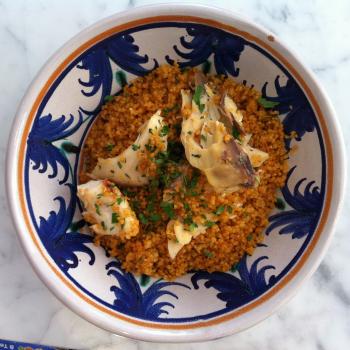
225, 242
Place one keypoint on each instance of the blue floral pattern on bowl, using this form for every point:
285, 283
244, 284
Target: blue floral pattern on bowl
52, 160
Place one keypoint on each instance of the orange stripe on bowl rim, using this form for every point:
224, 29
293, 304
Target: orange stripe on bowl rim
329, 161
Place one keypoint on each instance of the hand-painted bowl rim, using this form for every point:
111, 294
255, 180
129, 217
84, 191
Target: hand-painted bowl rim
236, 320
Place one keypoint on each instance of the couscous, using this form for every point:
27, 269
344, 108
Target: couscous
183, 171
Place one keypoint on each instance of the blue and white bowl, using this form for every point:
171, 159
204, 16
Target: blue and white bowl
43, 157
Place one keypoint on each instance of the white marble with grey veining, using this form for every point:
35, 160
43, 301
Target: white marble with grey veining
318, 318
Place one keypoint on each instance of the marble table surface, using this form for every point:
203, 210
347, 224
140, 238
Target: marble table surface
318, 317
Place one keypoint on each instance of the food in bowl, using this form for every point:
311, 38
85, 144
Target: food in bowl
180, 172
45, 152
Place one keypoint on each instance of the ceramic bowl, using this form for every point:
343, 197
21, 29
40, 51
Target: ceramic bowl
43, 156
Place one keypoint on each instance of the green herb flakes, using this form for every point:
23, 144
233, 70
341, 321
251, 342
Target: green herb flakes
135, 147
209, 223
119, 200
188, 220
235, 133
120, 165
120, 77
193, 226
279, 204
168, 208
208, 254
164, 130
144, 280
108, 98
155, 217
174, 109
234, 267
150, 148
109, 147
186, 206
114, 218
143, 219
97, 208
197, 97
219, 210
266, 103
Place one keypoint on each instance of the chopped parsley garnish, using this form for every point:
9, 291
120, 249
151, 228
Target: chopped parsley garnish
196, 155
266, 103
229, 209
164, 130
208, 254
155, 217
174, 175
108, 98
204, 138
75, 226
143, 219
114, 218
97, 207
209, 223
235, 133
150, 148
109, 147
120, 165
186, 206
193, 181
234, 267
119, 200
193, 226
279, 204
144, 280
249, 237
161, 158
168, 208
167, 110
176, 107
135, 147
150, 206
219, 210
154, 183
189, 132
99, 195
188, 220
128, 193
103, 225
192, 193
197, 97
150, 131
